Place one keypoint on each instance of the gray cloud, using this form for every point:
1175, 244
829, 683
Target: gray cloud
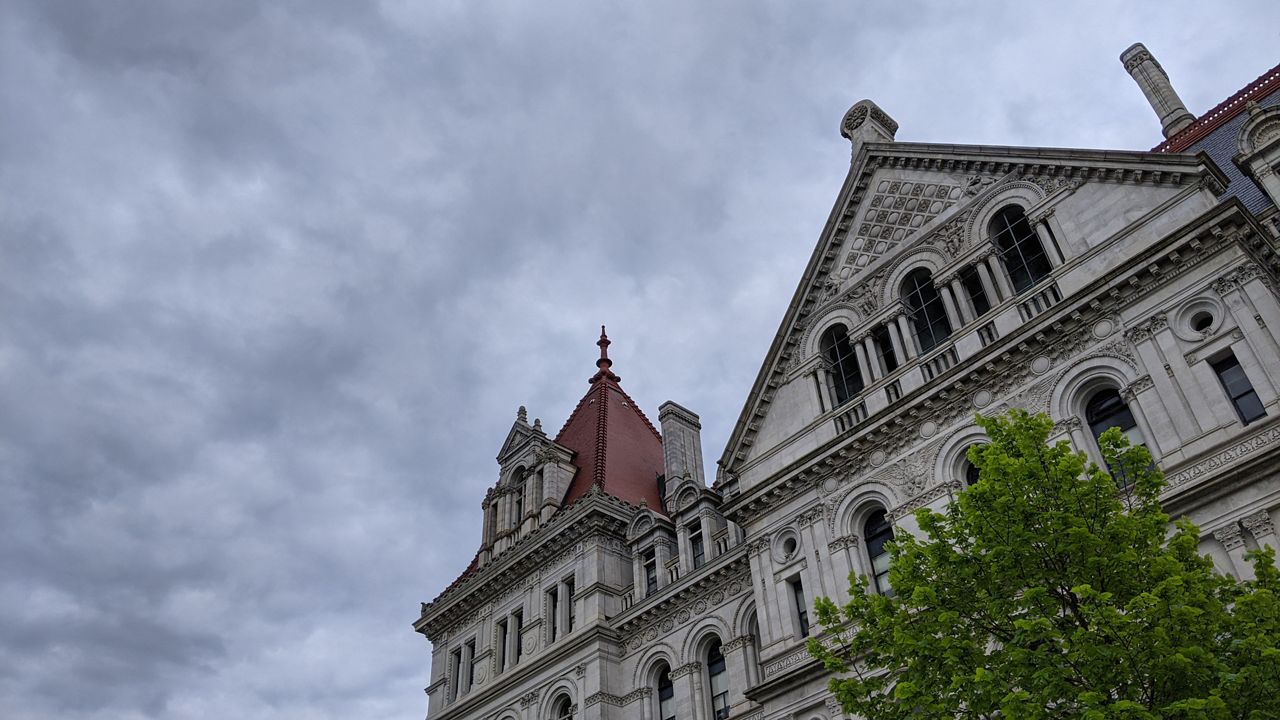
276, 275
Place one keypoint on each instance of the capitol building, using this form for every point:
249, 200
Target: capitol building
616, 577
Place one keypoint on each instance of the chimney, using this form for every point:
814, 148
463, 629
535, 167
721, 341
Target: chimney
866, 122
681, 444
1142, 65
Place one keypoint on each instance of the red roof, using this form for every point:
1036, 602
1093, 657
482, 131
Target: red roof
1227, 109
615, 446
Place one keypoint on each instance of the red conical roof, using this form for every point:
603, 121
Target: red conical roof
615, 446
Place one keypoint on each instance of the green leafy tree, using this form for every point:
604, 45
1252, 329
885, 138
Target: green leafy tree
1049, 591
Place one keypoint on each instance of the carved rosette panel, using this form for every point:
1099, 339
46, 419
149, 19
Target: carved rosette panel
896, 211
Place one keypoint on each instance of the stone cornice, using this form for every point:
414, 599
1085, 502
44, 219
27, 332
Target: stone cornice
645, 622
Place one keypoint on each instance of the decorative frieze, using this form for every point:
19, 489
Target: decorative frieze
1219, 460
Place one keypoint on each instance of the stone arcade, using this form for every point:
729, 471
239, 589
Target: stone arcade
1104, 288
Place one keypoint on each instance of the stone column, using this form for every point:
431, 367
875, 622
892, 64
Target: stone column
908, 340
662, 549
683, 549
962, 300
737, 657
1263, 531
841, 550
949, 302
1229, 536
637, 575
687, 683
767, 612
1051, 250
1130, 396
988, 286
708, 545
873, 357
861, 353
896, 341
997, 271
466, 671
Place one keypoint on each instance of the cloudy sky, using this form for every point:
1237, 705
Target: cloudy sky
275, 276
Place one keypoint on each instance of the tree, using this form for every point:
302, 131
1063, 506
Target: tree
1047, 590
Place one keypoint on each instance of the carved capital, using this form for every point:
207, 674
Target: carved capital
1140, 385
683, 670
1259, 525
738, 643
1144, 330
841, 543
1067, 425
1229, 536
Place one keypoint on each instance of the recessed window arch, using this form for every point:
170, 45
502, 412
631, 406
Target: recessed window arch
845, 376
665, 692
562, 708
1020, 249
717, 679
518, 479
1104, 408
969, 472
928, 314
876, 531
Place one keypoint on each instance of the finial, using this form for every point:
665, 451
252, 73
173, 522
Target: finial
604, 363
522, 415
537, 424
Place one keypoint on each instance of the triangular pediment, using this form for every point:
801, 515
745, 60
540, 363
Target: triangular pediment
901, 199
519, 437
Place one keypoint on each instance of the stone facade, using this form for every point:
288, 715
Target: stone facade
1100, 287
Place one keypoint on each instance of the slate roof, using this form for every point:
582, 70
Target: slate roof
615, 446
1215, 132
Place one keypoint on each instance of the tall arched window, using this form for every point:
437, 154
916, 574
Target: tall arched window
928, 314
1106, 409
970, 471
718, 679
562, 709
666, 695
517, 505
1020, 249
877, 532
846, 378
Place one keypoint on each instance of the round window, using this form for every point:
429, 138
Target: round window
1201, 321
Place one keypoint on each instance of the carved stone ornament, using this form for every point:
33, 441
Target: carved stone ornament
895, 212
686, 669
1229, 536
854, 119
1228, 457
1259, 525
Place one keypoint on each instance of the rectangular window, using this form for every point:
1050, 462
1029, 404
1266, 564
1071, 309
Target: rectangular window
553, 613
455, 670
884, 348
500, 639
972, 283
650, 572
469, 670
1239, 389
697, 548
568, 605
517, 626
802, 607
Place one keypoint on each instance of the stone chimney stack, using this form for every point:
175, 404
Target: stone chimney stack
866, 122
681, 444
1142, 66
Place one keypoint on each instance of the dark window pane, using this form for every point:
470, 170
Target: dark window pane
884, 346
928, 314
846, 377
877, 532
1020, 250
972, 282
1239, 390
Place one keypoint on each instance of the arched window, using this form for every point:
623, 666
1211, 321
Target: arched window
970, 470
1020, 249
666, 695
1106, 409
517, 505
928, 314
846, 379
877, 532
562, 708
718, 679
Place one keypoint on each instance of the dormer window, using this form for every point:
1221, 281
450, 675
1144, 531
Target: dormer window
1023, 255
846, 378
928, 314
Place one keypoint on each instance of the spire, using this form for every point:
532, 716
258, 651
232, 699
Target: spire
604, 363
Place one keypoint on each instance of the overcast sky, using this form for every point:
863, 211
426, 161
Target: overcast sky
275, 276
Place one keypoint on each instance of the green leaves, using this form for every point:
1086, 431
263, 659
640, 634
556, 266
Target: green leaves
1050, 590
